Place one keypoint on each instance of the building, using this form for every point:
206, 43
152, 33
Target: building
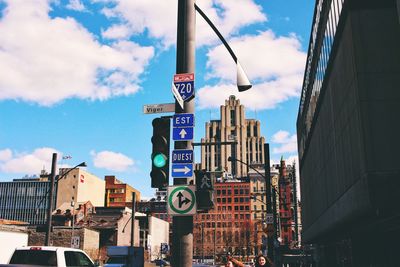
233, 126
348, 134
228, 227
79, 186
119, 194
25, 200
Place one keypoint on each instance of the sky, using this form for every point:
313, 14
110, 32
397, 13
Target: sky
75, 75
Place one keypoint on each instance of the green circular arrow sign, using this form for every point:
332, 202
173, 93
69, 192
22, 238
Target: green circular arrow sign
180, 203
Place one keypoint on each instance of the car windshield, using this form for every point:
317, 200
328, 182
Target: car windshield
34, 257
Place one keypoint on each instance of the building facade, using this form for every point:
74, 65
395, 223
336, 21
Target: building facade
80, 186
348, 133
228, 227
25, 200
119, 194
233, 126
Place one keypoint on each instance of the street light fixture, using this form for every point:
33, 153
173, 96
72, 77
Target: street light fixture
242, 80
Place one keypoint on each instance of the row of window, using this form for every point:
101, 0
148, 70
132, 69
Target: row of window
241, 191
225, 200
313, 80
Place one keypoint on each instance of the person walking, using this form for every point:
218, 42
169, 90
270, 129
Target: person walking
263, 261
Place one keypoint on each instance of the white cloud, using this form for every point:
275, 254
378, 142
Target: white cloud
5, 154
46, 60
288, 143
159, 18
27, 162
116, 32
274, 65
112, 161
76, 5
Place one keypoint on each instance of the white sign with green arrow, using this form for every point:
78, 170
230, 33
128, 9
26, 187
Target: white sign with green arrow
181, 200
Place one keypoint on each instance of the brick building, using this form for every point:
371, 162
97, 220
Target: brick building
228, 227
119, 194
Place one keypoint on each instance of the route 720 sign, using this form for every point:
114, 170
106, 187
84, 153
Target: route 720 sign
181, 200
184, 83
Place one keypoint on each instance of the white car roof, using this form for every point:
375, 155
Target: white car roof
48, 248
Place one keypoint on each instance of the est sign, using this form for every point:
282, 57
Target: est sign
183, 120
184, 83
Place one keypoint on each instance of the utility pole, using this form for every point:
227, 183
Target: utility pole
268, 195
50, 208
182, 226
133, 219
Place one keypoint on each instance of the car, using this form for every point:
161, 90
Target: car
161, 262
50, 256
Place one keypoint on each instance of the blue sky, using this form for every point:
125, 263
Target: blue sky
75, 75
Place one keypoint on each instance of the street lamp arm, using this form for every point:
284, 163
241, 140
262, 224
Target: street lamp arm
243, 82
248, 165
82, 164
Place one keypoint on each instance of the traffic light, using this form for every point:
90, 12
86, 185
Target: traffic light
160, 153
204, 190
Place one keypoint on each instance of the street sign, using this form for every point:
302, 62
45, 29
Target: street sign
182, 170
159, 108
181, 200
178, 97
75, 240
269, 219
164, 248
184, 83
183, 120
182, 134
182, 156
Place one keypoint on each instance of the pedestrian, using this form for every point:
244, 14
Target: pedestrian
262, 260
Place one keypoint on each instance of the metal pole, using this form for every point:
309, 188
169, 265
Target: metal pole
50, 207
182, 226
72, 221
133, 219
270, 239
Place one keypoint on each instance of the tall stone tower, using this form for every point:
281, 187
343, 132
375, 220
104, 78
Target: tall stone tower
233, 126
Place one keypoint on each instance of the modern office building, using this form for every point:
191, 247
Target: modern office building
25, 200
119, 194
233, 126
348, 133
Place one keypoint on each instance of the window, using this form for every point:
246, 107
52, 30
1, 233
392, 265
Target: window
76, 258
34, 257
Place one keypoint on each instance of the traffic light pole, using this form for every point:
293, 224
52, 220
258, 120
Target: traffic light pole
182, 226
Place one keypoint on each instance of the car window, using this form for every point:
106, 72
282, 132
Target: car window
76, 258
34, 257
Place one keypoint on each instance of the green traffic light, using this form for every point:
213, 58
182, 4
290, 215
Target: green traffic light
159, 160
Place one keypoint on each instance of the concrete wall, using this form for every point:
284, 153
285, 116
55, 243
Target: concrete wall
10, 238
61, 237
82, 186
159, 233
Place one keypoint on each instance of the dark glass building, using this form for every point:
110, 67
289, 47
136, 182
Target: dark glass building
25, 200
348, 133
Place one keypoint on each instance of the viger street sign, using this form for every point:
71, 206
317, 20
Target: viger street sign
159, 108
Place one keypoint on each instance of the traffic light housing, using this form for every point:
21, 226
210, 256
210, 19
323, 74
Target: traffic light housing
160, 153
204, 190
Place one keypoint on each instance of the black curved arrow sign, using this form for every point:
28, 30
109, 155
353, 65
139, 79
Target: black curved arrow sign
184, 201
